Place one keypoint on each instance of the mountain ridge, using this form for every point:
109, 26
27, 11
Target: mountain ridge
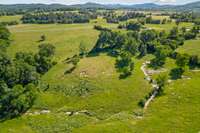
189, 6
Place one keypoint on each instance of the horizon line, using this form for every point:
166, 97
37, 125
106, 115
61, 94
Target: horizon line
82, 3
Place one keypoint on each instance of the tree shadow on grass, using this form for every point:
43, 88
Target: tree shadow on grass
124, 75
176, 73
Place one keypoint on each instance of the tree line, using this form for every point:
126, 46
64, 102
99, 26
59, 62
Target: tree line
112, 17
20, 9
19, 76
184, 16
9, 23
62, 17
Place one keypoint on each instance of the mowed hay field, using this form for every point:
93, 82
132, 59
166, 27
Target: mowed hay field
113, 103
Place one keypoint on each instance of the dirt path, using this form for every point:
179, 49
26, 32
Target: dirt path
153, 83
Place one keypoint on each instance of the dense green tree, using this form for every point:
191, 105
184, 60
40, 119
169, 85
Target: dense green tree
176, 73
195, 29
26, 73
148, 36
112, 17
174, 33
26, 57
5, 61
58, 17
189, 35
9, 23
183, 17
19, 76
194, 61
161, 80
132, 25
11, 76
131, 46
43, 63
4, 44
47, 50
182, 61
161, 54
135, 35
143, 50
173, 44
105, 41
17, 100
4, 38
183, 29
125, 64
4, 33
3, 88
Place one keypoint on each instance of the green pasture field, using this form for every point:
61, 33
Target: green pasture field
160, 17
113, 104
176, 110
65, 37
10, 18
191, 47
112, 96
168, 26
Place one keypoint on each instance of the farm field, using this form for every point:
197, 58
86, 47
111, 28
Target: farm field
92, 98
10, 18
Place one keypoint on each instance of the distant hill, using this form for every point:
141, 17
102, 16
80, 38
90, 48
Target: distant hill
190, 6
117, 6
146, 5
88, 5
31, 6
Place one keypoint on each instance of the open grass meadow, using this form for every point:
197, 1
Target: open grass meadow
177, 110
112, 103
10, 18
66, 38
191, 47
110, 96
169, 26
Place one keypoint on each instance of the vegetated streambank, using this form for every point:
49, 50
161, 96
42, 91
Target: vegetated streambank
153, 83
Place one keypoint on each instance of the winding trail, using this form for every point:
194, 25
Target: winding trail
153, 83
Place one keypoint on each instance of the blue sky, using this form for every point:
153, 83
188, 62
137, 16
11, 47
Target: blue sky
67, 2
